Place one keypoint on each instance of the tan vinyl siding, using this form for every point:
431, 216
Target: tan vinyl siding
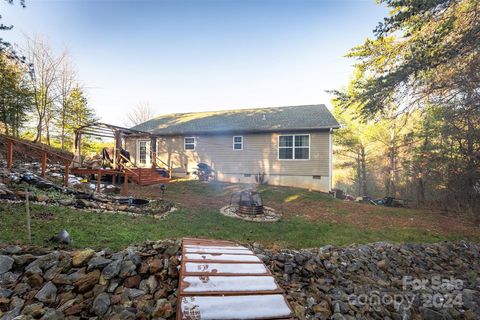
259, 154
131, 146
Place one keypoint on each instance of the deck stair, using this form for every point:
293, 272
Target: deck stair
148, 176
223, 280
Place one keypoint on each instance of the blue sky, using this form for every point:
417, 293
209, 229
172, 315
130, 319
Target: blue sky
183, 56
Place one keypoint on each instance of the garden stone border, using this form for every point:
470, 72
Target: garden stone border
269, 215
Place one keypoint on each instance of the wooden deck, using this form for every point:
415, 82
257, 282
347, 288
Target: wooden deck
223, 280
140, 176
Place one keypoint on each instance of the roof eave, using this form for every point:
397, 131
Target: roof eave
256, 131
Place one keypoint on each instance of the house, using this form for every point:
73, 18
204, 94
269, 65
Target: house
289, 146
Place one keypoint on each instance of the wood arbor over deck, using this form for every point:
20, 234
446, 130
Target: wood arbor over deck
141, 176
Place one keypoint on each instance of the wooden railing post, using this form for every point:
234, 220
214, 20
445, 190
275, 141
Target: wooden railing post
67, 172
44, 163
154, 159
114, 158
9, 154
139, 175
99, 178
125, 184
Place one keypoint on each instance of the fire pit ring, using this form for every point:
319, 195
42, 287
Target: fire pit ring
248, 205
268, 215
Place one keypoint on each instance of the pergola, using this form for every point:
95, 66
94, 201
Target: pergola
104, 130
117, 133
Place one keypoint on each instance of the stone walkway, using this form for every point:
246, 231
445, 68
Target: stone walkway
223, 280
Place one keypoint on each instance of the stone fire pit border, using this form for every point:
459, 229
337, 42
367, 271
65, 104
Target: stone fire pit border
270, 214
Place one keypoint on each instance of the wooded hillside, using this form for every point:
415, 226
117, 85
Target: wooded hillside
411, 114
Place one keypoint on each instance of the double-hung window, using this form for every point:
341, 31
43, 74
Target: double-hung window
189, 143
237, 143
294, 147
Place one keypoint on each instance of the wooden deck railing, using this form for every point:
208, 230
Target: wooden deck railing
169, 166
127, 168
133, 172
46, 152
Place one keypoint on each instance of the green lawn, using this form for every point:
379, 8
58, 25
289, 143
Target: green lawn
100, 230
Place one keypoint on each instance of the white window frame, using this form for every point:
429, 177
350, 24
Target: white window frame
293, 146
233, 143
185, 143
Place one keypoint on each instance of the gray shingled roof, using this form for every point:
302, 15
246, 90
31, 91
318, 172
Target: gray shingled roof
311, 117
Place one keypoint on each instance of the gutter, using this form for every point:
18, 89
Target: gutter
225, 132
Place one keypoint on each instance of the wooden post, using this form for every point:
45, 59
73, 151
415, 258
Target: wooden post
44, 163
27, 209
114, 179
153, 151
170, 170
117, 148
114, 167
99, 178
125, 184
67, 172
9, 154
139, 175
77, 158
154, 160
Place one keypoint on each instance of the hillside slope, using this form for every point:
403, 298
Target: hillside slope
27, 151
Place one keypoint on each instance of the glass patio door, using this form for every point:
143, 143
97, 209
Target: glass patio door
143, 152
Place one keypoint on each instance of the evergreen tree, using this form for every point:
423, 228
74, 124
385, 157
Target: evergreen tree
15, 95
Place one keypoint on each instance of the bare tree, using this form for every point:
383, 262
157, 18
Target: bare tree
44, 76
141, 113
65, 86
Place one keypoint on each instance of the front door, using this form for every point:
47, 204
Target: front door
143, 154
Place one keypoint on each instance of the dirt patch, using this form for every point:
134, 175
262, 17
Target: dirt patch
214, 196
378, 218
44, 216
187, 197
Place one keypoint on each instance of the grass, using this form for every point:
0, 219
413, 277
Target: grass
100, 230
285, 194
313, 219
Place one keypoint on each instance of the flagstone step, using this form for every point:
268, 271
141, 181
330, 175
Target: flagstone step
213, 285
223, 269
272, 306
223, 280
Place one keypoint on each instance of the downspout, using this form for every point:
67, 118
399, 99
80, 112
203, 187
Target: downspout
330, 159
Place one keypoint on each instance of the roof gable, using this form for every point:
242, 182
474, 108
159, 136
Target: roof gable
309, 117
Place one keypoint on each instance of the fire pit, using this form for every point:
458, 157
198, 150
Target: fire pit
248, 205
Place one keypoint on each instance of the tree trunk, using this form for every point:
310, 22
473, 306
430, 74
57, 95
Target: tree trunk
363, 171
359, 185
392, 170
420, 188
38, 137
47, 129
63, 124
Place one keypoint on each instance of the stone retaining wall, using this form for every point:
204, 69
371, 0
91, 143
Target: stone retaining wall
140, 282
427, 281
137, 283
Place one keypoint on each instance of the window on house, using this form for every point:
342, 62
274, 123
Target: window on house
238, 143
189, 143
294, 147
